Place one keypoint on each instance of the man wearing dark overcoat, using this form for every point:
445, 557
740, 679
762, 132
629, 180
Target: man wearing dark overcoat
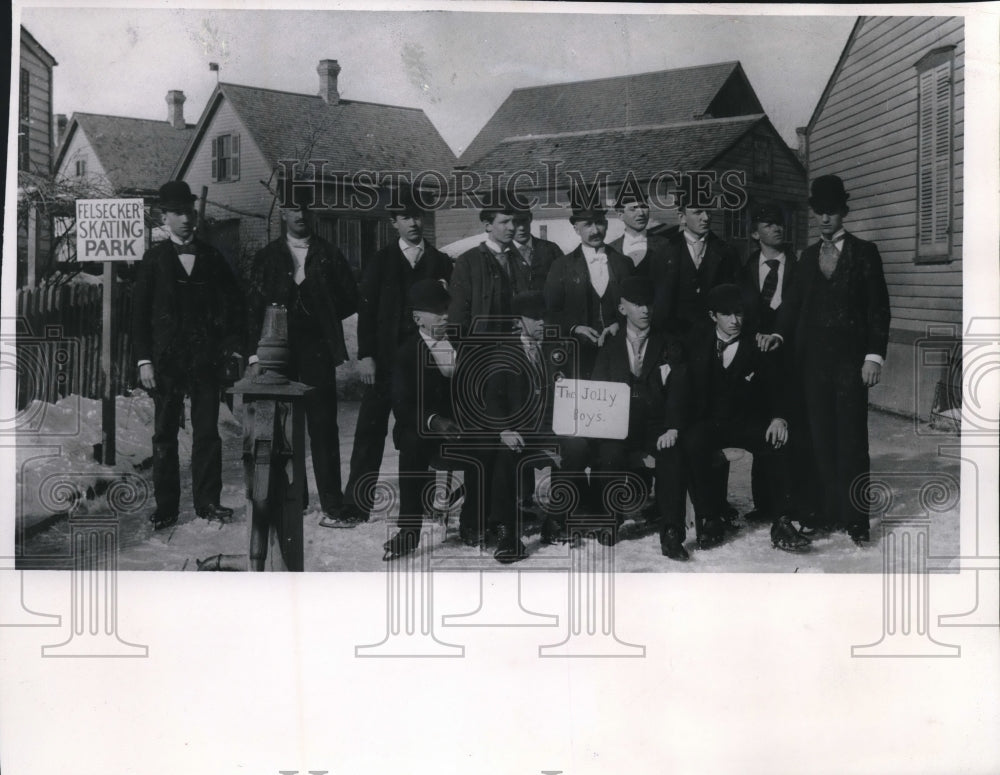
837, 319
649, 363
313, 281
534, 255
187, 327
384, 323
584, 286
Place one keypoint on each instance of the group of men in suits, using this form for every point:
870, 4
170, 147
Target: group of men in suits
774, 356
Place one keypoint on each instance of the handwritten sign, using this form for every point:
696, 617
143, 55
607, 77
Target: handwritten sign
110, 230
591, 409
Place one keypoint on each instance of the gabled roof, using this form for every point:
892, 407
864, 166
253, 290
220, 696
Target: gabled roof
350, 135
834, 75
663, 97
137, 154
691, 145
39, 50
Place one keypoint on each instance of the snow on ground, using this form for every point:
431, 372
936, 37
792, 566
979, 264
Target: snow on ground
900, 455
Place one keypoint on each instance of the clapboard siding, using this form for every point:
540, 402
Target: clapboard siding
245, 198
80, 149
454, 224
39, 110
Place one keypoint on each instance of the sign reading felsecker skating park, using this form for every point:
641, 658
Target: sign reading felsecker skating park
110, 230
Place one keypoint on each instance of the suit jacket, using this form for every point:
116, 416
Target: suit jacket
754, 387
867, 315
477, 291
566, 289
523, 392
384, 322
543, 255
673, 308
419, 390
757, 317
331, 282
663, 405
202, 345
656, 253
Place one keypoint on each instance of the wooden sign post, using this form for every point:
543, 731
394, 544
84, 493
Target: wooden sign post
109, 230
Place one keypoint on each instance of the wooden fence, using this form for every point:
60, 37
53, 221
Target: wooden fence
59, 342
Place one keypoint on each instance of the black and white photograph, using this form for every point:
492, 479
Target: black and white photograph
501, 333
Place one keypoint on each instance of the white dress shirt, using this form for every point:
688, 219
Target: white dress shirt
299, 249
411, 253
597, 267
636, 341
635, 246
696, 246
443, 353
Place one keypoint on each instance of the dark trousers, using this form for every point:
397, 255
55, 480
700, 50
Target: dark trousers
369, 438
416, 482
614, 459
324, 441
702, 443
568, 483
206, 452
837, 408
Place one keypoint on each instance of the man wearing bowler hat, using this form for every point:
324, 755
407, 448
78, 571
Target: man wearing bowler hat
583, 287
187, 329
836, 320
649, 362
313, 281
384, 323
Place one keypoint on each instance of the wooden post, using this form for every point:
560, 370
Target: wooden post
108, 419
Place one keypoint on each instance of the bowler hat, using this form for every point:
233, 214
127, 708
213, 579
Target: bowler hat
637, 290
828, 194
176, 195
529, 304
766, 213
297, 195
585, 205
400, 201
725, 299
429, 296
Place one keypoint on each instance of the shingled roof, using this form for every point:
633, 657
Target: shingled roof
350, 135
663, 97
137, 154
642, 150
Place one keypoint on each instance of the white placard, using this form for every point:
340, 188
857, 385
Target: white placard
110, 230
592, 409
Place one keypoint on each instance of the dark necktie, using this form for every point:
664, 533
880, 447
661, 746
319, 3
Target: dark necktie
721, 347
770, 282
828, 257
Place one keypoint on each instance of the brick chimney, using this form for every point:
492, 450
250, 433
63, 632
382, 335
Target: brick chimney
61, 123
175, 109
328, 70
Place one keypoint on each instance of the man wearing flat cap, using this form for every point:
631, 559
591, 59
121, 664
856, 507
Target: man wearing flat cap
637, 243
648, 361
837, 321
423, 403
740, 399
519, 395
583, 287
534, 255
486, 277
187, 329
313, 281
384, 323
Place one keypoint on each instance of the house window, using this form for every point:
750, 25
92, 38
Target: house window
24, 121
762, 164
226, 158
935, 126
81, 168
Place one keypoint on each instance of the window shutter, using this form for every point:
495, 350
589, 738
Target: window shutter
935, 155
215, 158
235, 166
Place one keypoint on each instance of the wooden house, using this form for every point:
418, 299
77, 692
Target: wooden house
248, 139
694, 119
890, 123
34, 156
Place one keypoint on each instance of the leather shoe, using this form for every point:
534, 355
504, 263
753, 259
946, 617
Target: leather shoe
509, 547
215, 511
162, 521
553, 532
860, 536
710, 534
471, 536
672, 545
784, 536
403, 543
